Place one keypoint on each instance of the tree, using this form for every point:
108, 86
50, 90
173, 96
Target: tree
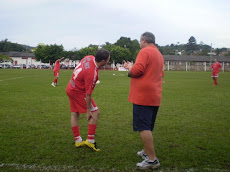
132, 45
6, 46
191, 45
72, 55
87, 51
48, 53
118, 54
4, 58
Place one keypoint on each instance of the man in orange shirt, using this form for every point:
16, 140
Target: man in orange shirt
56, 71
145, 94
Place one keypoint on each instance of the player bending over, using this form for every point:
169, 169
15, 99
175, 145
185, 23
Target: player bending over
79, 90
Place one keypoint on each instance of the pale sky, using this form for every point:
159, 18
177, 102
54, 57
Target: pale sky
78, 23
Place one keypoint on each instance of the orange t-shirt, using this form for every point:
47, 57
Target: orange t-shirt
147, 87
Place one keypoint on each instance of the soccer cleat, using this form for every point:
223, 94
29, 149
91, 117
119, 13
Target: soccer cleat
77, 144
92, 145
147, 164
53, 84
142, 154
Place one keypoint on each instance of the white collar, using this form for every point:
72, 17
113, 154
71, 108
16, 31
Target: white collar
95, 63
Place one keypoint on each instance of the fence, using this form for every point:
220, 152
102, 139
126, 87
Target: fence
192, 66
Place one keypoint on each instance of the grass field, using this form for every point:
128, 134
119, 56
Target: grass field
192, 131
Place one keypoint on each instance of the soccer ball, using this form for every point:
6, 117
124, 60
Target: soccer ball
98, 82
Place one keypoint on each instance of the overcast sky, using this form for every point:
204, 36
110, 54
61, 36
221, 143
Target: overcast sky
78, 23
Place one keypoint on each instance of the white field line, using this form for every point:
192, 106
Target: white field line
35, 167
11, 79
16, 78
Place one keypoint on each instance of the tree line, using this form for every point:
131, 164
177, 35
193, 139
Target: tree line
123, 49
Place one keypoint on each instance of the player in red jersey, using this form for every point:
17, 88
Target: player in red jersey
56, 71
216, 66
79, 90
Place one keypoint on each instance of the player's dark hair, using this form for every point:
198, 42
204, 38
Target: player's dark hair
101, 54
148, 37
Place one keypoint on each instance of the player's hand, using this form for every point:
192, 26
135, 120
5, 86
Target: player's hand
127, 65
88, 115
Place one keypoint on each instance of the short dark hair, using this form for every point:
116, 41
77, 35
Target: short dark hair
101, 54
148, 37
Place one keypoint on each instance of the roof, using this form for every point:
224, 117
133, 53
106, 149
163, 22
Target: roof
196, 58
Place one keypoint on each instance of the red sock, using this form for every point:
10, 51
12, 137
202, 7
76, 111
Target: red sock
91, 131
215, 82
55, 80
76, 132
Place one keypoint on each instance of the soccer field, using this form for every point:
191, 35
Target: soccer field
191, 131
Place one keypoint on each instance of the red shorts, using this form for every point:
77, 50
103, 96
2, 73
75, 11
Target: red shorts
215, 74
78, 102
56, 73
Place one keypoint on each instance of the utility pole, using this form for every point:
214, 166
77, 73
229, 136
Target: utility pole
211, 55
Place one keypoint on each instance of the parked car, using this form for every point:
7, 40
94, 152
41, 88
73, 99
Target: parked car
63, 66
17, 66
5, 66
43, 66
33, 66
28, 66
71, 67
23, 66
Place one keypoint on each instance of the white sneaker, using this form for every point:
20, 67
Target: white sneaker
142, 154
53, 84
146, 164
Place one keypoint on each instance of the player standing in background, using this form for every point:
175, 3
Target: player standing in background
145, 94
56, 71
215, 71
79, 90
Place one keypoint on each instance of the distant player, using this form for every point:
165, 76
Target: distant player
79, 90
216, 66
56, 71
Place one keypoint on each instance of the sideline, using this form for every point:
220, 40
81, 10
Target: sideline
11, 79
17, 78
35, 167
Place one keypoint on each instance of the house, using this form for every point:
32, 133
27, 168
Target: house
22, 58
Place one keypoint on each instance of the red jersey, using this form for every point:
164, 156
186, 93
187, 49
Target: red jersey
147, 87
85, 76
57, 66
216, 67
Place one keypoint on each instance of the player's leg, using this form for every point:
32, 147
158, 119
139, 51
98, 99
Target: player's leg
214, 77
75, 129
56, 78
92, 125
215, 80
53, 83
74, 108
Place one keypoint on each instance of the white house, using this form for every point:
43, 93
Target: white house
22, 58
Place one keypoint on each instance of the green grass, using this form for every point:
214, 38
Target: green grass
191, 131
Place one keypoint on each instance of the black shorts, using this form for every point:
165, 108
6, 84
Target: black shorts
144, 117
